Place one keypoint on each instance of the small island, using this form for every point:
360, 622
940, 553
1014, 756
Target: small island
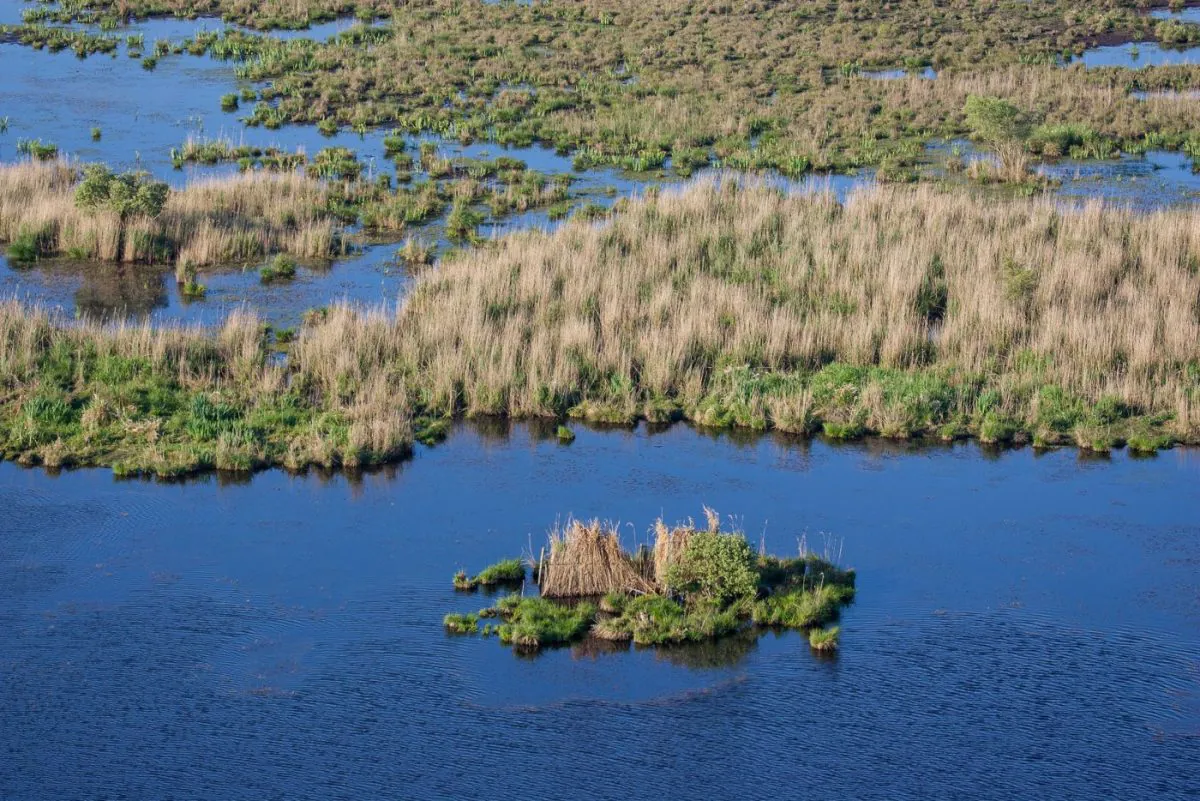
692, 585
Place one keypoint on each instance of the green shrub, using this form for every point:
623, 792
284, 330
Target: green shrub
23, 249
126, 194
718, 566
280, 268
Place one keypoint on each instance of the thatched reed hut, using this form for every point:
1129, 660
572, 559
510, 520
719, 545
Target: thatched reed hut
586, 559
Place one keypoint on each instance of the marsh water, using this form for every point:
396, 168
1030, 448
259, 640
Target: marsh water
1027, 625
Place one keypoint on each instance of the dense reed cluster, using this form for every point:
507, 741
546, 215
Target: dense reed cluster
903, 312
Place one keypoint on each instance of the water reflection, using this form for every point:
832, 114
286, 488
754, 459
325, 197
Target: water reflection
1137, 55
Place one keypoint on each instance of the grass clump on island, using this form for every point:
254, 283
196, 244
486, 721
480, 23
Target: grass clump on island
904, 312
694, 585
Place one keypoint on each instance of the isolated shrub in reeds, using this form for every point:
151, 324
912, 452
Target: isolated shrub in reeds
670, 544
280, 268
126, 194
716, 566
23, 249
1004, 128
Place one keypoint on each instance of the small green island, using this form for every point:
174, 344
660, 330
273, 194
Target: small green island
692, 585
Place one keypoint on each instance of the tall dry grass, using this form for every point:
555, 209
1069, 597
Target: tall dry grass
239, 218
1099, 300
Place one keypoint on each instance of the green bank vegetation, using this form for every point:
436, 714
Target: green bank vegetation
905, 312
693, 585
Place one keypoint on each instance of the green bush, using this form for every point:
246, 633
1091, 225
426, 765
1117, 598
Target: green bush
23, 249
720, 567
126, 194
282, 267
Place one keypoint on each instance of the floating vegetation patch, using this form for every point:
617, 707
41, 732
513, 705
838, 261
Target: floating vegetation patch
694, 585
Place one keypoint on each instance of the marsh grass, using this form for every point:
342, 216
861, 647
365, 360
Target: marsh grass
532, 623
461, 624
635, 84
905, 312
280, 268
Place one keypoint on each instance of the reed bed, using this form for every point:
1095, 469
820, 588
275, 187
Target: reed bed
704, 303
903, 312
240, 218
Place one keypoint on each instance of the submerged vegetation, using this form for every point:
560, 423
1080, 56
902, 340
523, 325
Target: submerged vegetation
905, 312
693, 585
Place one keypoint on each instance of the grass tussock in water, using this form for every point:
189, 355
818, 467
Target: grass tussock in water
904, 313
506, 572
714, 586
172, 401
55, 209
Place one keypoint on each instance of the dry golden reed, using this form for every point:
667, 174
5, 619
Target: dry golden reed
585, 560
